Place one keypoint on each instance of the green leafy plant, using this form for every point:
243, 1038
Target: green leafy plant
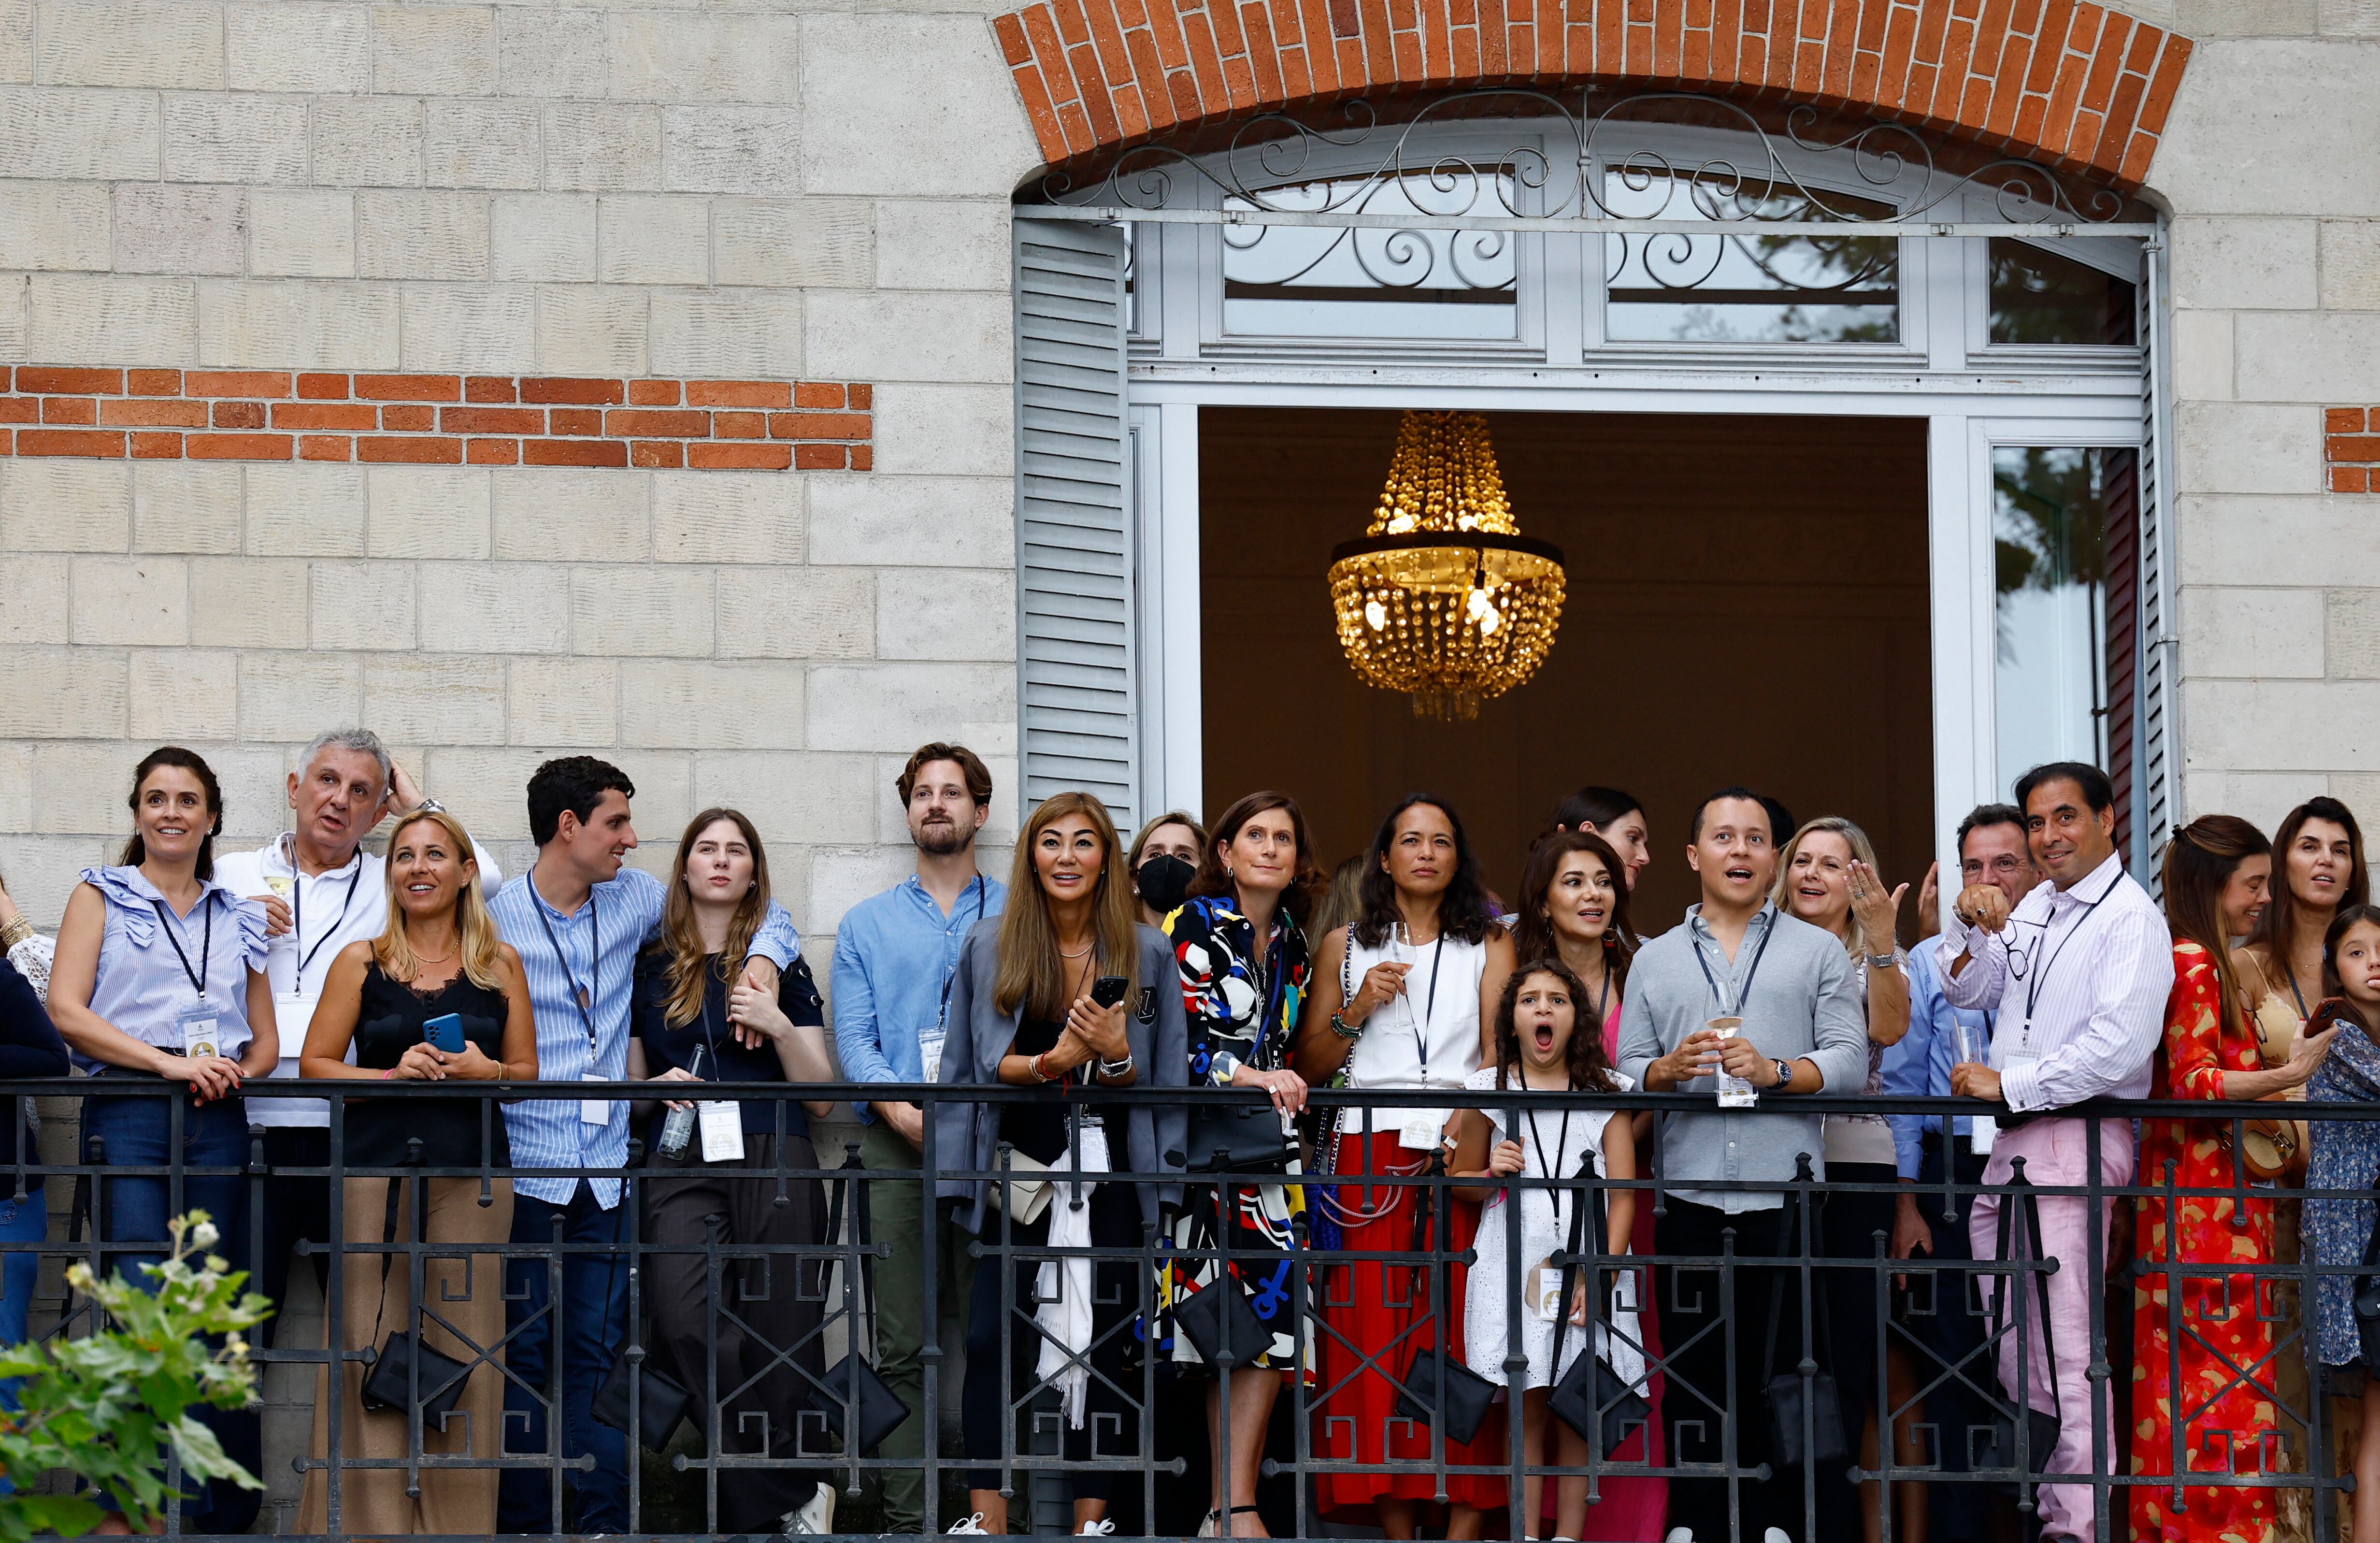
109, 1407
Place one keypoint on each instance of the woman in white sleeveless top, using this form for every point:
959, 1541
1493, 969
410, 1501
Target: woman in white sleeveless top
1399, 999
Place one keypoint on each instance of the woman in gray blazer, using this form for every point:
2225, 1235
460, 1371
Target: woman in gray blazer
1025, 1012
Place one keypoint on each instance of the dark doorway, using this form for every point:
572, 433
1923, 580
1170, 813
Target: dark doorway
1747, 602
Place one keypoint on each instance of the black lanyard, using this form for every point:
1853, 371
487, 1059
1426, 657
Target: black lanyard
297, 912
1561, 1144
951, 970
1428, 1002
1743, 996
2033, 980
197, 976
581, 996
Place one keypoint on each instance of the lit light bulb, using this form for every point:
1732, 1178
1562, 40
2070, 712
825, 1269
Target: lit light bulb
1483, 611
1376, 614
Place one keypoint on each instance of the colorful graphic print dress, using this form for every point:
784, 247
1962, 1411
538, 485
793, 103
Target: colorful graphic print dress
2224, 1413
1246, 1004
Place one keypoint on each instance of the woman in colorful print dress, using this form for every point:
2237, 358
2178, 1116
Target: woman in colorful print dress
1255, 880
2212, 1382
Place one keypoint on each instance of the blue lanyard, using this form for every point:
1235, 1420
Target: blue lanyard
581, 996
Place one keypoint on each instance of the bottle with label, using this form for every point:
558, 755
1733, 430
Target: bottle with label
1734, 1092
677, 1131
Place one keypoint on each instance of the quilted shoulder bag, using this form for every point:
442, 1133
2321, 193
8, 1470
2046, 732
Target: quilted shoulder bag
405, 1372
852, 1397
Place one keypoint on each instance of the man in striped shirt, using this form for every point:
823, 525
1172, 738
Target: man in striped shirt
578, 918
2077, 972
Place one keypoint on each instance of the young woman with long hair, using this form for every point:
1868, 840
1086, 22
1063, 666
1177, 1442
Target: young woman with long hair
438, 955
1547, 1041
697, 1020
1022, 1014
1403, 997
1574, 908
160, 975
1240, 950
2344, 1173
1827, 876
2217, 872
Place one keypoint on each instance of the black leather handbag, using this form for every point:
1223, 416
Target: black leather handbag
405, 1370
1436, 1380
1805, 1416
1237, 1138
1592, 1398
1218, 1314
851, 1396
2367, 1304
662, 1402
1998, 1453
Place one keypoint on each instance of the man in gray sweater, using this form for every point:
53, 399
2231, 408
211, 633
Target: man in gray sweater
1735, 959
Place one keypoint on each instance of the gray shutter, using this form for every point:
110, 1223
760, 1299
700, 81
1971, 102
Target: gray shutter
2158, 763
1073, 516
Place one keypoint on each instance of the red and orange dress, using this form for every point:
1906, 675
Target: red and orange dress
2213, 1378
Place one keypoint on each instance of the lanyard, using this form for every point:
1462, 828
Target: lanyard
580, 995
197, 976
1561, 1144
1429, 1001
1745, 994
2035, 979
297, 913
951, 970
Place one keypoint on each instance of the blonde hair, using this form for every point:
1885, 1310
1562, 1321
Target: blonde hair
1856, 942
682, 936
481, 949
1031, 975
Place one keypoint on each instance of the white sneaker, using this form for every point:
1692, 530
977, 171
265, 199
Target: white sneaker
972, 1526
1101, 1528
1679, 1535
814, 1515
1775, 1535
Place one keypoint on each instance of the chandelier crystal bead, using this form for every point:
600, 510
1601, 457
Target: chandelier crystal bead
1442, 598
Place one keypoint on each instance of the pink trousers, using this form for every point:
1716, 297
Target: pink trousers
2055, 1156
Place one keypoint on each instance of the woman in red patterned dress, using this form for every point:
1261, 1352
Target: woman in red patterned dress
2212, 1381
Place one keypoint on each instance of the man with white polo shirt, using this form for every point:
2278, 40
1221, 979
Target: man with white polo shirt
321, 892
2076, 974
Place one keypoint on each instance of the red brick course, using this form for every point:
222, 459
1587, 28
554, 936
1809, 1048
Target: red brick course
260, 415
2350, 449
2070, 84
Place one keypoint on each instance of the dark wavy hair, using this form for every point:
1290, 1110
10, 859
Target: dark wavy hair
1465, 912
1534, 935
1590, 1069
136, 851
1593, 804
2199, 861
1305, 884
2279, 924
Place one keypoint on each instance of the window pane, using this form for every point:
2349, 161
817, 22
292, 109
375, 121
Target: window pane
1736, 285
2040, 296
1287, 281
2066, 529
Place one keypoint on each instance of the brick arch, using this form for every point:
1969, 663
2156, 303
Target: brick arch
2074, 84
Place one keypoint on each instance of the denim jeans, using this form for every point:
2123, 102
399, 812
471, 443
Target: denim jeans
593, 1318
137, 1133
25, 1222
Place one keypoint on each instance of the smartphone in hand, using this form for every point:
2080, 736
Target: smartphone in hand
1108, 989
445, 1033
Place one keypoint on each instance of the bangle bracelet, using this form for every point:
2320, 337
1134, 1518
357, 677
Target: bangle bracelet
1344, 1029
1116, 1068
1034, 1066
15, 932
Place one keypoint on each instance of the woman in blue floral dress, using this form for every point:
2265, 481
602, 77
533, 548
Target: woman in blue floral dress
1239, 945
2346, 1157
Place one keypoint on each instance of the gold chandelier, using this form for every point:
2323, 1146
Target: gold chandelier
1442, 597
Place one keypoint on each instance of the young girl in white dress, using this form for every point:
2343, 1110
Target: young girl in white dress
1538, 1047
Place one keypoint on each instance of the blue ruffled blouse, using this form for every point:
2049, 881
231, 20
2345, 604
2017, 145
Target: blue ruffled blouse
142, 985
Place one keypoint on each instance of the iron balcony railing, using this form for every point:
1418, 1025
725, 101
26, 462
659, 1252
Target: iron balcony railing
1160, 1483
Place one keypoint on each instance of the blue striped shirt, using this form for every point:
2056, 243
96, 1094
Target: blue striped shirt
598, 947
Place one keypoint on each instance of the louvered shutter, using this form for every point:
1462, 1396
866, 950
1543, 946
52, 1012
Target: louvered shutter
2158, 736
1073, 509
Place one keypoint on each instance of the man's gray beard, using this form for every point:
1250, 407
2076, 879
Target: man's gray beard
943, 842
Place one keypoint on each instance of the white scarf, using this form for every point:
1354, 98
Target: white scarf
1064, 1286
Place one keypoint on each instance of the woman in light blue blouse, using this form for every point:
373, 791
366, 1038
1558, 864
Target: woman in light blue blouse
160, 975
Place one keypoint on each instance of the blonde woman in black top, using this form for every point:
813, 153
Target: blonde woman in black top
439, 955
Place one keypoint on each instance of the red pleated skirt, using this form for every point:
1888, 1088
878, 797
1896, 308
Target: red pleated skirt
1390, 1312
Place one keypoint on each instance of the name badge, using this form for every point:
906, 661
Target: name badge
723, 1130
292, 1016
1985, 1132
1422, 1130
594, 1112
1545, 1300
201, 1024
929, 1050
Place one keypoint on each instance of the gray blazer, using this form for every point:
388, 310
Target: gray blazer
977, 1033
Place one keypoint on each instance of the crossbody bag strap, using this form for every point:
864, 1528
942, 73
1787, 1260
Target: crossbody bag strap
388, 1256
1592, 1192
859, 1188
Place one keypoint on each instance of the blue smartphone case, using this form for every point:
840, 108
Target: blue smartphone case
445, 1033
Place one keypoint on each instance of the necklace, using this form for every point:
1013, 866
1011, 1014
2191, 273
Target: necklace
1080, 951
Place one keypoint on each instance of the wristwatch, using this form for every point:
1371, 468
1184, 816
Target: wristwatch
1881, 961
1784, 1072
1224, 1066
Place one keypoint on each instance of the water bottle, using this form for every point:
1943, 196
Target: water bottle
678, 1129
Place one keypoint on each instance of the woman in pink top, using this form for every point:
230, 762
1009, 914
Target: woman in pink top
1574, 907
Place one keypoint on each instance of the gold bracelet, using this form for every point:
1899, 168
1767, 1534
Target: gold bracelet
15, 932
